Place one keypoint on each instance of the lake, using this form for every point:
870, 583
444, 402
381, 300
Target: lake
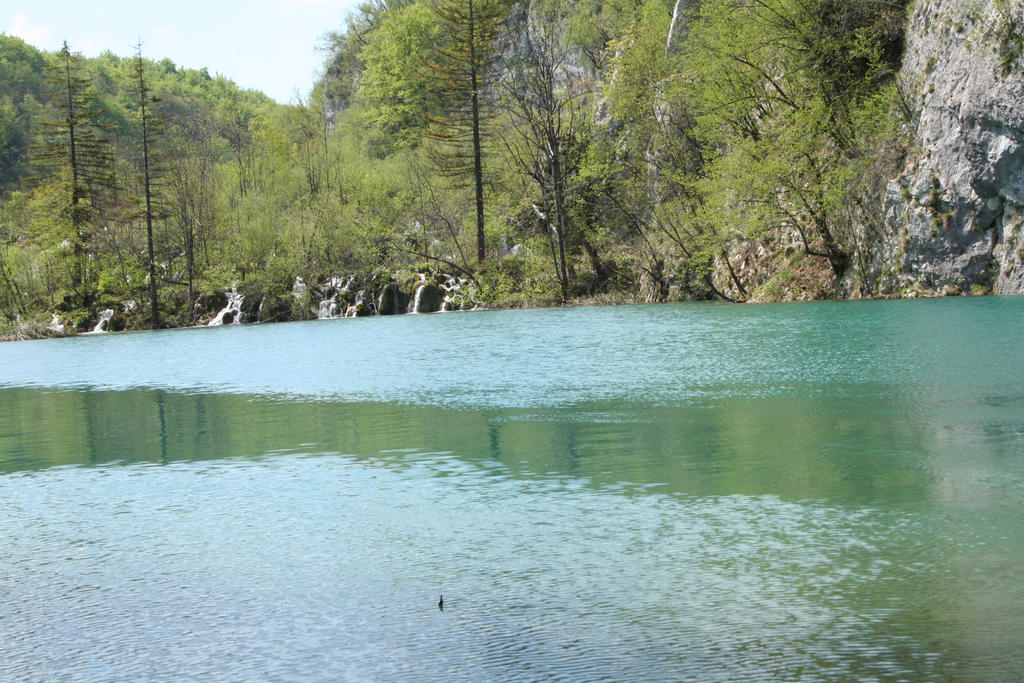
647, 493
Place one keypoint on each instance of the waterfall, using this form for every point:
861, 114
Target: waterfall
451, 290
104, 324
390, 301
419, 293
454, 298
328, 309
507, 250
452, 294
416, 301
55, 324
232, 313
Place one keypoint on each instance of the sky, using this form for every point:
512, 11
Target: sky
267, 45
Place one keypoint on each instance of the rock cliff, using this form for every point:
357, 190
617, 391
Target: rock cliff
954, 214
682, 15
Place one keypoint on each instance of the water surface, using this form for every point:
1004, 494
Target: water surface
639, 493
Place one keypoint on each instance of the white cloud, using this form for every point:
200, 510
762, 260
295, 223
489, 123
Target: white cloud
92, 45
38, 35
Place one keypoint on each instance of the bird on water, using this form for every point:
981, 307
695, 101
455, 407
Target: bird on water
440, 603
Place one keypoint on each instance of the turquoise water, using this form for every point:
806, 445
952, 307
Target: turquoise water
650, 493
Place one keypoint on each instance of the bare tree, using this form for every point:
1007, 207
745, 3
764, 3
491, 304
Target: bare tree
150, 127
544, 94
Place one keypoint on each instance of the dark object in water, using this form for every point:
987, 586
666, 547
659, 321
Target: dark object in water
440, 603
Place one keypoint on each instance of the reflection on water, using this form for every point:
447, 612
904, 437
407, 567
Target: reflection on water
870, 451
800, 449
730, 493
318, 566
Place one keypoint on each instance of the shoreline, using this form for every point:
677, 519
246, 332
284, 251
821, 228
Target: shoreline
36, 331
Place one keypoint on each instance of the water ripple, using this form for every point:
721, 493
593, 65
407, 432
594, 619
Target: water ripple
661, 493
328, 567
656, 354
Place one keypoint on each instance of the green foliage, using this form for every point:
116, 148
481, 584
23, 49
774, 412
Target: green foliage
1009, 33
75, 140
393, 79
518, 282
790, 92
616, 163
21, 83
642, 65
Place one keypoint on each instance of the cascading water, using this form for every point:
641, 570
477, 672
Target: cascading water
232, 313
359, 308
458, 295
419, 294
391, 300
328, 307
299, 288
104, 324
453, 297
453, 294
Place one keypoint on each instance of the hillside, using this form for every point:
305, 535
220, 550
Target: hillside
599, 150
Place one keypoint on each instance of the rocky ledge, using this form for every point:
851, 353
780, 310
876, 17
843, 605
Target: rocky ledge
954, 215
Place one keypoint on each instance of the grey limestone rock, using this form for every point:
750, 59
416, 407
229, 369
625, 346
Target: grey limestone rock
957, 208
428, 298
392, 300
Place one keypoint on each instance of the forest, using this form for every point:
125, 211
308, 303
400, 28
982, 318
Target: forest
540, 152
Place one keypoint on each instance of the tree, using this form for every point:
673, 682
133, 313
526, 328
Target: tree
344, 65
545, 94
21, 78
785, 97
191, 183
150, 127
392, 85
235, 120
460, 76
647, 172
309, 130
77, 154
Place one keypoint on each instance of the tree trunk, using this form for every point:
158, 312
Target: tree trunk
146, 178
190, 261
559, 192
478, 170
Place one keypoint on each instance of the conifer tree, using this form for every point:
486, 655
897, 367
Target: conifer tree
461, 76
150, 127
75, 145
